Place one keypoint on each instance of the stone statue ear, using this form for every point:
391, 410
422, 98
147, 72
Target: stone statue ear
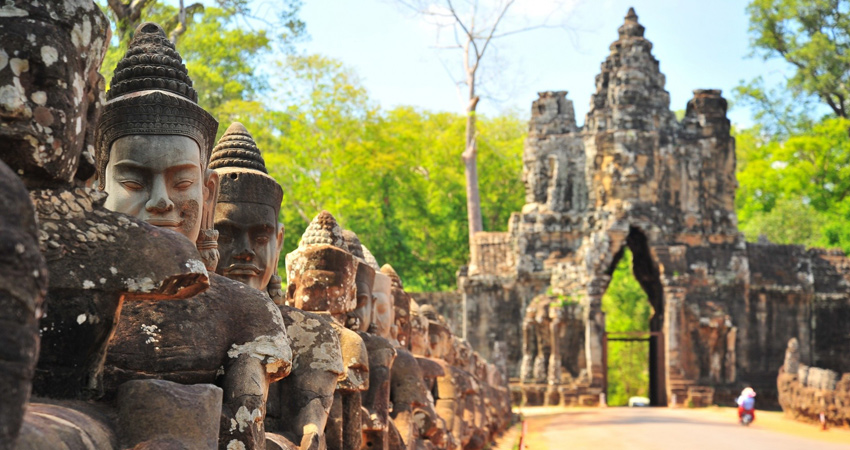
211, 185
280, 235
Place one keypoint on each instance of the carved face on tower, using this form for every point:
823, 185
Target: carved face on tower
153, 143
321, 272
49, 86
250, 237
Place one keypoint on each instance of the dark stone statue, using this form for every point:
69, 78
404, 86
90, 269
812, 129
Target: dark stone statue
250, 239
153, 149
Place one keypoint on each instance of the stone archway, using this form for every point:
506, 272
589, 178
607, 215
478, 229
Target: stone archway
646, 272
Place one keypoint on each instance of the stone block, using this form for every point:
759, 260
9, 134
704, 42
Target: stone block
151, 411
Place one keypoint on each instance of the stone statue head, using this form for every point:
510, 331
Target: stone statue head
50, 88
401, 308
440, 339
361, 317
419, 340
321, 273
463, 354
382, 306
154, 140
246, 214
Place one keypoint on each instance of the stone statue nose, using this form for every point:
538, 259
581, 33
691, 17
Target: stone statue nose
159, 202
162, 205
243, 249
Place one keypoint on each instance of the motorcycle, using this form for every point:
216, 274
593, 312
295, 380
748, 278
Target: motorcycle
747, 418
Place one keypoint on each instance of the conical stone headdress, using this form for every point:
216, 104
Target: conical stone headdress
242, 170
151, 93
323, 230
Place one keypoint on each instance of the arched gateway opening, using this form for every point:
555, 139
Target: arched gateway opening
646, 272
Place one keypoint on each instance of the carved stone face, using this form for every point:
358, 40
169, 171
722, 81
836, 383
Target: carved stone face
382, 306
321, 279
419, 340
363, 312
441, 342
160, 179
249, 242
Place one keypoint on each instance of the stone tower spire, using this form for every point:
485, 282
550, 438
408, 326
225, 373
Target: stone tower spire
630, 87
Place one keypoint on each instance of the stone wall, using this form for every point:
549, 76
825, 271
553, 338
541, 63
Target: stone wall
810, 391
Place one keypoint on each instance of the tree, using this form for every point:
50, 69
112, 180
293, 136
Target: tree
474, 27
126, 15
387, 175
814, 37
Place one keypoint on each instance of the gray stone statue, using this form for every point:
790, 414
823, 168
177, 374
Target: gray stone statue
153, 149
250, 239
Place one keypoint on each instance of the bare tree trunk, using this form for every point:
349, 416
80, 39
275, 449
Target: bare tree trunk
470, 163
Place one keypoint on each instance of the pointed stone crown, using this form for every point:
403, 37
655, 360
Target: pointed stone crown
353, 243
370, 258
237, 148
388, 270
151, 62
323, 230
242, 170
151, 94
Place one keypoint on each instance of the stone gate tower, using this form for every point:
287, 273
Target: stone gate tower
633, 176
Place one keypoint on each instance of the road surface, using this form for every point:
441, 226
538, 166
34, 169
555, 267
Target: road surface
673, 429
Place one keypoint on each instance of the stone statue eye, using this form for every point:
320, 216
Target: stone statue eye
131, 185
224, 238
262, 240
183, 184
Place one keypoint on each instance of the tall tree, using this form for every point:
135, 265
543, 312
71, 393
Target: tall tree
474, 26
814, 37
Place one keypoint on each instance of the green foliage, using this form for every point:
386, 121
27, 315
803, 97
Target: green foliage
793, 166
626, 308
394, 177
795, 190
814, 37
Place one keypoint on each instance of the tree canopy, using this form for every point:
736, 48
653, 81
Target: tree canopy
793, 164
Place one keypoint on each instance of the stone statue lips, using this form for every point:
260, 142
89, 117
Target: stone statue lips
167, 223
248, 270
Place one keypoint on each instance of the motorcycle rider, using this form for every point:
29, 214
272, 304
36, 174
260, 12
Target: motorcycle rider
747, 404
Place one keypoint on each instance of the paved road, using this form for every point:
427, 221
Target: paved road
674, 429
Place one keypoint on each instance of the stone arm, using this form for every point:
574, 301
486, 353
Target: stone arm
246, 385
249, 370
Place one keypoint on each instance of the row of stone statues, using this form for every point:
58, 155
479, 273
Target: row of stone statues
142, 305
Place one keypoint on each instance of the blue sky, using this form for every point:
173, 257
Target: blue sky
700, 44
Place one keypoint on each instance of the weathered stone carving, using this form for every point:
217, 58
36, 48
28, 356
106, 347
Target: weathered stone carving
321, 276
807, 392
634, 177
361, 317
153, 152
54, 98
246, 214
23, 285
161, 414
250, 241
